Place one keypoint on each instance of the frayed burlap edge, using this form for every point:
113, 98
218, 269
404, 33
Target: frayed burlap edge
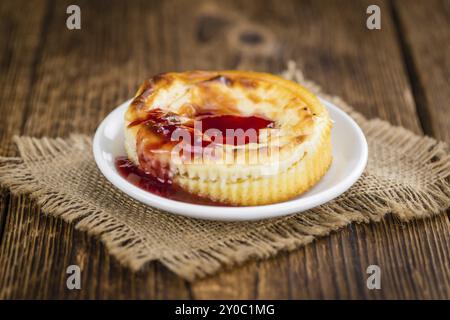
281, 234
121, 241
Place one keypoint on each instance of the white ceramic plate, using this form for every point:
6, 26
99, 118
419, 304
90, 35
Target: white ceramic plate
349, 160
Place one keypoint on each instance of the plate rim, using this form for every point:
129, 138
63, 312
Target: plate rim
223, 213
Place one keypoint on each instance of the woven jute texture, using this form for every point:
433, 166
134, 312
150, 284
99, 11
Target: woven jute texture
407, 175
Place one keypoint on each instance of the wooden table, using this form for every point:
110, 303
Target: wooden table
55, 81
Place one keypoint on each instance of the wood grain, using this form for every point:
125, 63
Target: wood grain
427, 52
69, 80
18, 51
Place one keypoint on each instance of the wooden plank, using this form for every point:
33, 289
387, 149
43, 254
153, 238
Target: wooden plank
39, 249
78, 78
18, 47
414, 264
367, 70
18, 50
425, 27
81, 75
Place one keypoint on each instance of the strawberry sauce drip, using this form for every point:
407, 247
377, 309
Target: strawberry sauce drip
140, 179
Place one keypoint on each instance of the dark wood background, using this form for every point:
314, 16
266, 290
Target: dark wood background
54, 82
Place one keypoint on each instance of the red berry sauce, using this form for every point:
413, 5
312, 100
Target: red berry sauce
155, 178
166, 189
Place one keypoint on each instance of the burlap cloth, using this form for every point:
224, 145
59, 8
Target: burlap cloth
407, 175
